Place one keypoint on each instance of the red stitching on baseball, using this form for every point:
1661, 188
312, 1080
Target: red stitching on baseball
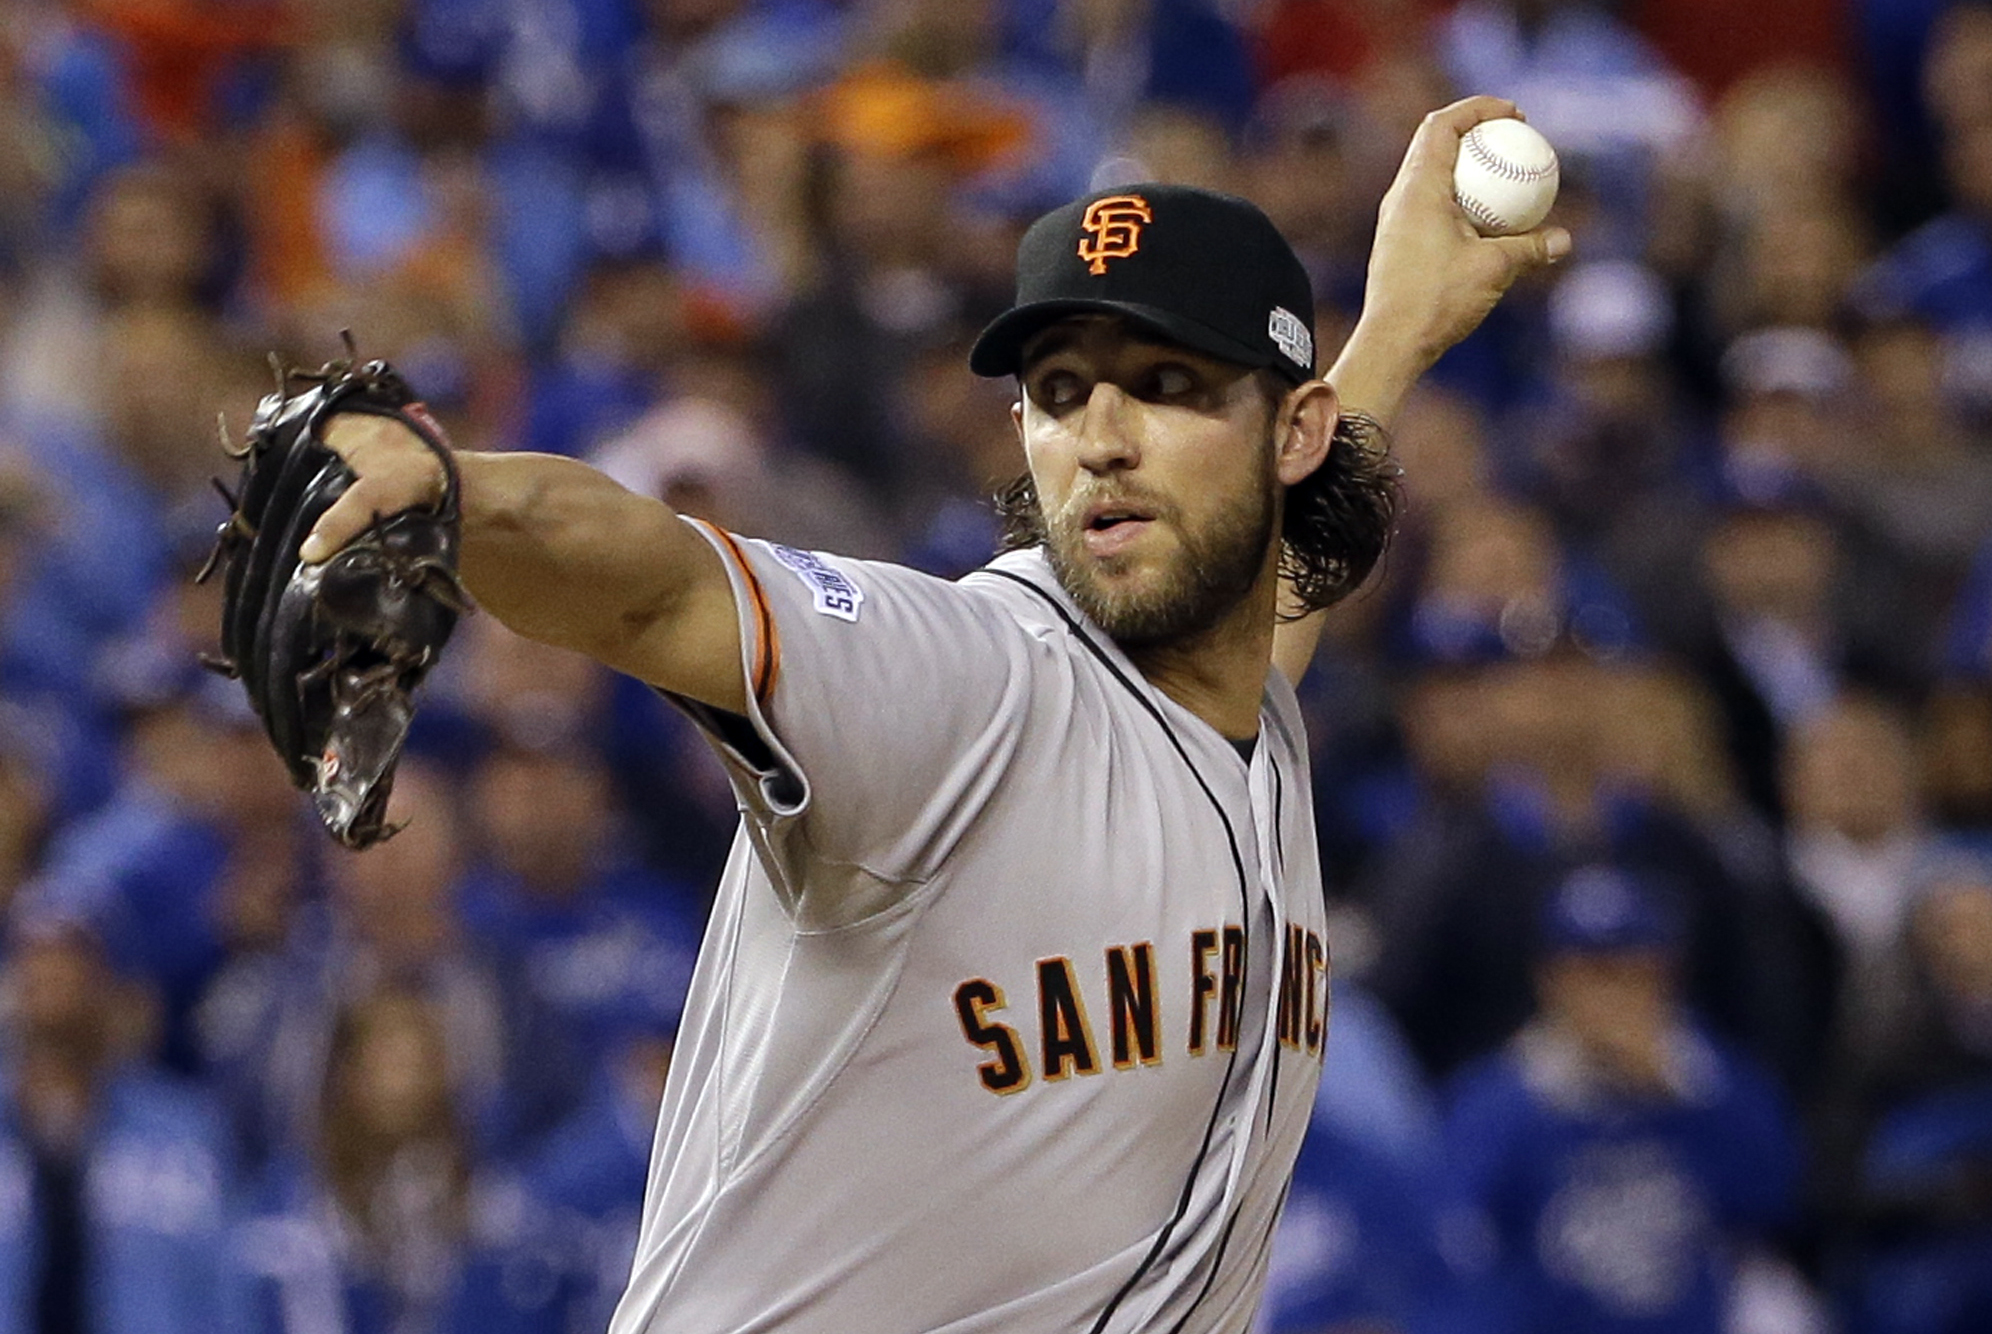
1501, 166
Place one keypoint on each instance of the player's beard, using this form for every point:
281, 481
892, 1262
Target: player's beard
1208, 572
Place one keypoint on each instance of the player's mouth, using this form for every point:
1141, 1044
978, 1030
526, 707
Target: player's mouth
1111, 527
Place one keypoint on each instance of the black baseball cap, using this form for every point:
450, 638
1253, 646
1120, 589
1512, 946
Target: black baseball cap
1206, 270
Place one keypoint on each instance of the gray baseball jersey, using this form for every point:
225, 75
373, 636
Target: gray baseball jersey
1010, 1012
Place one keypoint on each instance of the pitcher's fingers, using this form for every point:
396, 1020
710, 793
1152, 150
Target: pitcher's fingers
349, 516
1435, 147
1532, 250
1468, 112
352, 433
397, 471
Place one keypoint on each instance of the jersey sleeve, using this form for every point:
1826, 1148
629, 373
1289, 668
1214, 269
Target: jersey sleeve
884, 709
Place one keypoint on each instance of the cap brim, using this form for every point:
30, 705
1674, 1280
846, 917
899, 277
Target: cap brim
1000, 349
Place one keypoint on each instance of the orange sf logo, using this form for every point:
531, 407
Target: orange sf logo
1113, 229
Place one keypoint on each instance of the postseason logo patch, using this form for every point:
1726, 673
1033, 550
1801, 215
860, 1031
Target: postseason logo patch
1291, 336
835, 595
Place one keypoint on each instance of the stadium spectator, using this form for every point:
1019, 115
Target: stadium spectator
555, 891
1791, 620
963, 432
1336, 41
390, 1220
1923, 482
1788, 142
1611, 446
120, 1177
391, 920
126, 346
502, 686
1956, 735
1857, 842
625, 327
1942, 271
1923, 1211
707, 452
1461, 907
896, 269
48, 715
1307, 160
201, 817
1615, 1158
1856, 838
1662, 739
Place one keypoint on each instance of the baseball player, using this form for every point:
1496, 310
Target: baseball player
1011, 1009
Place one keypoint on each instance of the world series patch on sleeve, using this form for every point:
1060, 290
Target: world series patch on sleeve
332, 653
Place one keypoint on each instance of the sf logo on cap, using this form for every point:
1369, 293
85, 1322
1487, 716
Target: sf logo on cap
1113, 229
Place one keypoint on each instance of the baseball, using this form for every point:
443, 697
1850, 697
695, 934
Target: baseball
1506, 177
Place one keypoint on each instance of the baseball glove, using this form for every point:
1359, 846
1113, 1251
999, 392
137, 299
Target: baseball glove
332, 653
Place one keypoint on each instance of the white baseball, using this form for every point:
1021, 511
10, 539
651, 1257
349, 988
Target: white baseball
1506, 177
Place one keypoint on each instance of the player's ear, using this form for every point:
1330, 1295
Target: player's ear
1304, 430
1017, 415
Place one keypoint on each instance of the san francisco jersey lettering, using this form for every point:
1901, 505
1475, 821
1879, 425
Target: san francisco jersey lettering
1137, 1018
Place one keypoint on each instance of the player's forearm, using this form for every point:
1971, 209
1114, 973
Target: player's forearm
562, 554
544, 548
1377, 368
556, 551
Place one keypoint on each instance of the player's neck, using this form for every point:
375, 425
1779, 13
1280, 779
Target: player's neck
1220, 673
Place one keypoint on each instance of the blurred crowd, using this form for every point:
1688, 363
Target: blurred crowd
1654, 774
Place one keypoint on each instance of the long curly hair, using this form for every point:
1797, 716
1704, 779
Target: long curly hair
1335, 527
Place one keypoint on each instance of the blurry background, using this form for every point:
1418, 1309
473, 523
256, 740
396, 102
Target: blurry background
1654, 774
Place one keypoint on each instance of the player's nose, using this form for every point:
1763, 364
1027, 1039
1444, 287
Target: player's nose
1107, 437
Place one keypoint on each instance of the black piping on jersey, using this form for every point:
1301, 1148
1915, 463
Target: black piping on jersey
1225, 1240
1279, 860
1245, 926
1279, 816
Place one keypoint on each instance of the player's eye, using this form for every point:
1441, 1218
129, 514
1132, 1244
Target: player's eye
1168, 380
1057, 389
